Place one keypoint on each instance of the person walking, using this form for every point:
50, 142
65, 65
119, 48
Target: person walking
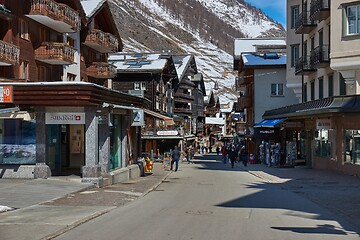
223, 152
232, 155
175, 158
218, 150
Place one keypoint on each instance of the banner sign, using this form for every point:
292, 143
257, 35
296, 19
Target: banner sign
6, 94
137, 118
65, 118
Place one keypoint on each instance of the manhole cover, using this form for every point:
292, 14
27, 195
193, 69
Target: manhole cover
199, 212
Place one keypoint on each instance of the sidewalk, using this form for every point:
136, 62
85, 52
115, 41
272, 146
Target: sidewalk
47, 208
337, 192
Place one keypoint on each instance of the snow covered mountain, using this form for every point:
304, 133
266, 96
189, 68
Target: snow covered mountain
204, 28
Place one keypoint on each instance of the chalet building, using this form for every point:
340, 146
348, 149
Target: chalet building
183, 95
153, 77
56, 116
198, 106
324, 58
261, 66
214, 123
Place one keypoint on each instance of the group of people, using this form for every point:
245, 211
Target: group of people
233, 152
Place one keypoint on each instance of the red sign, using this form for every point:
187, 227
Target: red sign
6, 94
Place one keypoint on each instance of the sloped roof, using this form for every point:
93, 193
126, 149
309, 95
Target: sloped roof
246, 45
137, 62
91, 6
260, 60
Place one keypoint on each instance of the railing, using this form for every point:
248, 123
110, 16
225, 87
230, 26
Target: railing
56, 11
102, 38
101, 70
9, 53
303, 64
183, 110
183, 95
319, 55
317, 5
55, 51
303, 20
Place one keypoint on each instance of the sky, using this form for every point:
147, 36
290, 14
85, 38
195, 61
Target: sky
276, 9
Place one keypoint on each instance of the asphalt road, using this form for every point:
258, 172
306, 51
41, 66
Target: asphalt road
209, 200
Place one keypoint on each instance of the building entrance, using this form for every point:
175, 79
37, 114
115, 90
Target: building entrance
65, 149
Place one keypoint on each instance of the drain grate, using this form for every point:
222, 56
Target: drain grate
199, 212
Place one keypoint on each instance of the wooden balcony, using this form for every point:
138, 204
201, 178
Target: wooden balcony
182, 97
304, 66
320, 57
57, 16
319, 9
101, 41
101, 70
55, 53
9, 54
303, 24
183, 110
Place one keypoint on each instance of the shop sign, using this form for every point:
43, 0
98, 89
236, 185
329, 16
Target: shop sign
323, 124
137, 118
167, 133
6, 94
65, 118
267, 131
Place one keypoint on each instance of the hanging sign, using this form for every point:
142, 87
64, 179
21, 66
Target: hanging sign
137, 118
6, 94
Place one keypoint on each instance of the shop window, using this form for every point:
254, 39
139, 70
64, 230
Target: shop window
352, 146
17, 141
322, 143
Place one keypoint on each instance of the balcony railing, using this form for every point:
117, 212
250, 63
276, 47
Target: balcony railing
9, 54
319, 9
65, 19
304, 66
101, 41
183, 110
55, 53
320, 56
184, 96
304, 24
101, 70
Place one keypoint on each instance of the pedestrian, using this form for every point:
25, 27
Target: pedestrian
243, 154
175, 158
232, 155
223, 152
218, 150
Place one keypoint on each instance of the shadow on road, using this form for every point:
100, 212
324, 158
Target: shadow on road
329, 190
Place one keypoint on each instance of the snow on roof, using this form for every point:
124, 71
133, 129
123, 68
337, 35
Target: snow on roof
243, 45
91, 6
180, 64
137, 61
259, 60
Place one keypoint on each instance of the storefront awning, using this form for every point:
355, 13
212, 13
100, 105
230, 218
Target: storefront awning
269, 122
168, 120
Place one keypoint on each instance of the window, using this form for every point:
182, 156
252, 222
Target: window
295, 10
294, 54
24, 70
24, 29
140, 85
71, 77
331, 85
353, 20
277, 89
312, 90
322, 142
321, 87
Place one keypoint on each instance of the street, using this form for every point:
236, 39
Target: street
210, 200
